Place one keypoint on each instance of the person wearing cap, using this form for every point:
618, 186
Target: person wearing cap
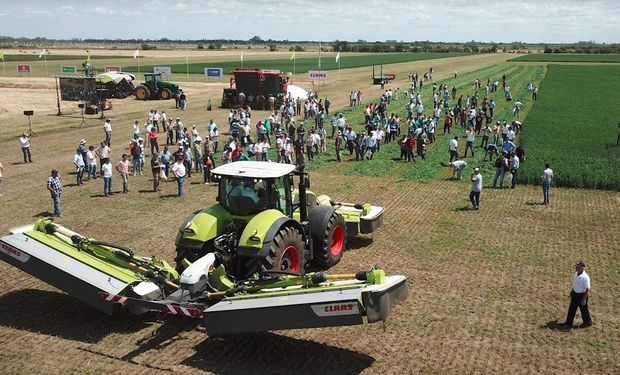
55, 188
79, 167
83, 150
579, 297
458, 166
24, 142
182, 100
476, 189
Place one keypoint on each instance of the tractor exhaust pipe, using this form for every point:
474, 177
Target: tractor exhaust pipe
303, 203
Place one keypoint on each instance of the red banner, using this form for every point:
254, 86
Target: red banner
24, 68
109, 69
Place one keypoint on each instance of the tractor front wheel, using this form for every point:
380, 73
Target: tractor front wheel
286, 253
165, 94
329, 247
142, 92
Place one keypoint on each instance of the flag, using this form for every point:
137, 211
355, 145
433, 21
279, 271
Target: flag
338, 57
87, 56
2, 54
241, 57
136, 54
292, 56
43, 52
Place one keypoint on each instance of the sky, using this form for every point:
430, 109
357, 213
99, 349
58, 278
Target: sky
532, 21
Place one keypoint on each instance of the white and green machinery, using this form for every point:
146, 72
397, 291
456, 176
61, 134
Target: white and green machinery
262, 222
111, 278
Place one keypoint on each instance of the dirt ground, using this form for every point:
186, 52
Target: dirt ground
486, 287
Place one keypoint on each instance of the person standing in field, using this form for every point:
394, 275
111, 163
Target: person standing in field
178, 168
471, 134
79, 167
476, 189
55, 188
579, 297
453, 148
106, 173
156, 170
514, 168
123, 168
107, 128
546, 178
24, 142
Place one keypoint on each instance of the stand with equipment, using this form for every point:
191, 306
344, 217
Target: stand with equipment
30, 132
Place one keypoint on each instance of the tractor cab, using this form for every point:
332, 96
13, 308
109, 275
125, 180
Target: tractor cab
152, 78
245, 196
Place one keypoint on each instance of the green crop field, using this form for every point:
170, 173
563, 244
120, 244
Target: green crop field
51, 57
302, 65
386, 161
568, 57
574, 125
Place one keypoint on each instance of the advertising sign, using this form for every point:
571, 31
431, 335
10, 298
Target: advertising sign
24, 68
68, 69
317, 75
214, 72
165, 70
109, 69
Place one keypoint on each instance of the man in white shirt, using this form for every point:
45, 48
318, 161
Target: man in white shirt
178, 168
107, 128
458, 166
24, 142
454, 144
546, 179
476, 188
579, 297
156, 118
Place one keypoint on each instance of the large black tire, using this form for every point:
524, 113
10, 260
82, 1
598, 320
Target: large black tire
142, 93
165, 94
286, 253
330, 243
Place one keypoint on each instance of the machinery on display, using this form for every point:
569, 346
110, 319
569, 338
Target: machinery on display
241, 265
154, 88
254, 87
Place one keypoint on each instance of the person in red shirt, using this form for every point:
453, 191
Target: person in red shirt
410, 142
153, 139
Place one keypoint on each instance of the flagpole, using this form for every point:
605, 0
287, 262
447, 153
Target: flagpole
138, 62
186, 65
294, 61
45, 59
319, 54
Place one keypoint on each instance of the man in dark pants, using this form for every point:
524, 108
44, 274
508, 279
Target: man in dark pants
579, 297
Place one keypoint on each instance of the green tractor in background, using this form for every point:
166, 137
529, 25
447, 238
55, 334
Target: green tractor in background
262, 224
154, 88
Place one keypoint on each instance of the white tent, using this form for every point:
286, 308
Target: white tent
296, 92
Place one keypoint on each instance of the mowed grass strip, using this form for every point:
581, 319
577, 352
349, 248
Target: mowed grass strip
568, 57
302, 65
574, 126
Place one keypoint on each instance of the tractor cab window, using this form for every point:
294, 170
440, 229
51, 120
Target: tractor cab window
249, 196
152, 78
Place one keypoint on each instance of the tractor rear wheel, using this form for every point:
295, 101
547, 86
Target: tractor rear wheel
165, 94
329, 245
286, 253
142, 92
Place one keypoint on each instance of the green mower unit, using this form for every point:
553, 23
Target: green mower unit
111, 277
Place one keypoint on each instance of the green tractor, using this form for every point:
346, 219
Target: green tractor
154, 88
262, 224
